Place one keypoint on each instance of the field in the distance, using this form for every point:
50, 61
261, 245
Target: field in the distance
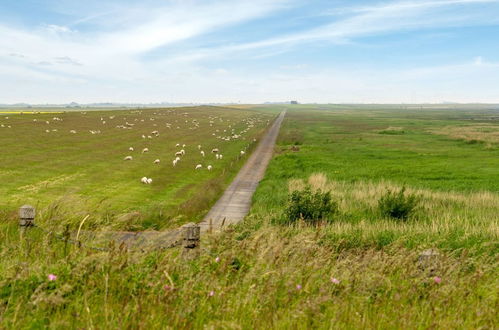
72, 164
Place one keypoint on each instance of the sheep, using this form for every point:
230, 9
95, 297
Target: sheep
178, 153
128, 158
143, 136
145, 150
72, 131
220, 156
202, 153
177, 159
209, 167
175, 162
177, 145
199, 147
149, 181
183, 145
131, 148
143, 180
157, 161
215, 150
198, 166
242, 152
217, 156
149, 137
183, 152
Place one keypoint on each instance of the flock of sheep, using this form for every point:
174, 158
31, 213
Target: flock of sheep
177, 119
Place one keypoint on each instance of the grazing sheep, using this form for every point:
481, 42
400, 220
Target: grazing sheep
177, 145
145, 150
183, 152
131, 148
143, 136
157, 161
242, 152
202, 153
217, 156
149, 137
183, 145
177, 158
198, 166
215, 150
209, 167
72, 131
128, 158
149, 181
221, 156
175, 162
143, 180
199, 146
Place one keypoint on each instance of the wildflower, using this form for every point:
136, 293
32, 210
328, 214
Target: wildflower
217, 259
298, 287
335, 280
52, 277
437, 279
167, 287
211, 294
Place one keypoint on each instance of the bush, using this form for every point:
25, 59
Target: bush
398, 205
310, 206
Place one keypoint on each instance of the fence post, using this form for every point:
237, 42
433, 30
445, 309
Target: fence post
190, 244
26, 216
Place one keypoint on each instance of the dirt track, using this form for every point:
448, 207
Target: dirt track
235, 203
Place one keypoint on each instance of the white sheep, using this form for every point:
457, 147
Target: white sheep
131, 148
149, 181
215, 150
183, 152
220, 156
72, 131
177, 145
177, 159
175, 162
128, 158
183, 145
157, 161
199, 146
217, 156
145, 150
143, 136
143, 180
198, 166
242, 152
178, 153
202, 153
209, 167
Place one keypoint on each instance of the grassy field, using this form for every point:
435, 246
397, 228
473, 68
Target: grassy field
358, 269
72, 164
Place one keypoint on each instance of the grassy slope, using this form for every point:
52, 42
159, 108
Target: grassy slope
78, 174
280, 276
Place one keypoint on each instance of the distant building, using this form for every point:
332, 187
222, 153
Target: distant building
294, 102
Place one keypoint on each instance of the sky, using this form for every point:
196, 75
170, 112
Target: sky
249, 51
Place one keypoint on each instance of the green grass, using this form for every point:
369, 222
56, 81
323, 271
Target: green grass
267, 275
69, 175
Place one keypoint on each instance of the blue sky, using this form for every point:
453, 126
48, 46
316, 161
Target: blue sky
249, 51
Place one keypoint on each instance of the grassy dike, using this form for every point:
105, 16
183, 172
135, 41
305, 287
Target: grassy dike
358, 270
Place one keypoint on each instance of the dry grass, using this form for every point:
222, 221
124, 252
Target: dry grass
483, 132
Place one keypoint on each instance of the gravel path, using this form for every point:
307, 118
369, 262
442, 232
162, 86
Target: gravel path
235, 203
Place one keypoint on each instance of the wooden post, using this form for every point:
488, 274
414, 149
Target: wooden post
26, 216
192, 235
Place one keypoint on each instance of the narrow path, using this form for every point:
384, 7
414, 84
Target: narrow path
235, 203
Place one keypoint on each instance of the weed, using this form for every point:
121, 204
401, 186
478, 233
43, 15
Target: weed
398, 205
310, 206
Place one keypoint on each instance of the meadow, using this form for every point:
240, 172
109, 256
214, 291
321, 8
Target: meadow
356, 269
71, 164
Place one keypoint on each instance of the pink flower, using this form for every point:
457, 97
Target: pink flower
52, 277
211, 294
335, 280
217, 259
298, 287
437, 279
167, 287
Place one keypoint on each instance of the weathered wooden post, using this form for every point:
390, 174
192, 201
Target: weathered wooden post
190, 244
26, 216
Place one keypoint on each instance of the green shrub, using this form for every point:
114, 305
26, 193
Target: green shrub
398, 205
310, 206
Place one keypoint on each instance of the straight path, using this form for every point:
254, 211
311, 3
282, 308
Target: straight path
235, 203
